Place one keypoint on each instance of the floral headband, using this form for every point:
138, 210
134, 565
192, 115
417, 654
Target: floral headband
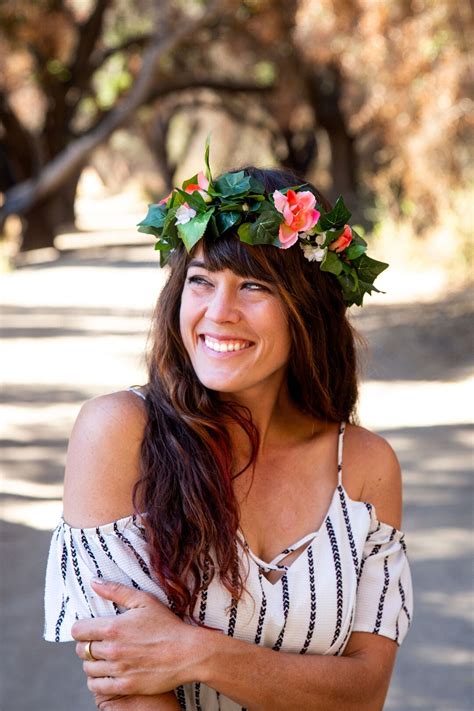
287, 216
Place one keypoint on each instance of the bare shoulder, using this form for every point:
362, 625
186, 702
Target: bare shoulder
370, 460
103, 459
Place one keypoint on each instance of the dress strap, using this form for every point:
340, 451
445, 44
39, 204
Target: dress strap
342, 428
136, 390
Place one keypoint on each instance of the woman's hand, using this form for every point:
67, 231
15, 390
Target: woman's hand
146, 650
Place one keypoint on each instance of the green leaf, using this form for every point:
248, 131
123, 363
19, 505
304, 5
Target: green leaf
206, 157
265, 229
193, 199
355, 250
226, 220
169, 227
155, 217
193, 230
256, 186
331, 263
369, 269
231, 184
244, 233
336, 218
150, 230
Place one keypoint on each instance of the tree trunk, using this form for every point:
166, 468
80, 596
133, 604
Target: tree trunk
43, 220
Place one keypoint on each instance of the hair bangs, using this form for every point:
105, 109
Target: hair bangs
228, 252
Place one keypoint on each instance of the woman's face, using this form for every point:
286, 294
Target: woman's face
234, 329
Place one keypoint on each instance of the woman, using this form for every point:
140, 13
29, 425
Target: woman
251, 567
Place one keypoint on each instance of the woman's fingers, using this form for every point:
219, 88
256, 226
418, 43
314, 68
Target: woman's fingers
96, 648
99, 669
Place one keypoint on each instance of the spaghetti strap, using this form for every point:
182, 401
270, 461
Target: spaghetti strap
342, 427
135, 389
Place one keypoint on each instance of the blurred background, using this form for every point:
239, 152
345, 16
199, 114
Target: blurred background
104, 107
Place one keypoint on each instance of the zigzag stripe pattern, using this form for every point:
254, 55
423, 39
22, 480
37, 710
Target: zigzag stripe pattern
312, 610
180, 695
77, 573
57, 629
338, 570
263, 609
64, 558
404, 607
137, 555
286, 608
349, 630
202, 618
109, 555
350, 535
386, 581
98, 571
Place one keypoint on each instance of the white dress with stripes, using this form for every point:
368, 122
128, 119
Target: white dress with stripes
353, 575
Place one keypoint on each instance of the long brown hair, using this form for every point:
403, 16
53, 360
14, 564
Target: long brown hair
187, 462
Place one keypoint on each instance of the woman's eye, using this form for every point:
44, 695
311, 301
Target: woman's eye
197, 280
254, 286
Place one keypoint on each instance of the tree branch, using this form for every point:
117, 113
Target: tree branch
97, 58
21, 198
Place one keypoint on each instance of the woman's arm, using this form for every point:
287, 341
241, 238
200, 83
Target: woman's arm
162, 702
102, 467
264, 680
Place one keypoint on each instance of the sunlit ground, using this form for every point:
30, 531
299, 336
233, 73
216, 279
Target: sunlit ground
76, 326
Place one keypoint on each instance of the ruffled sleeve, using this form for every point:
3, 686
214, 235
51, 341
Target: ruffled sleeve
384, 601
116, 552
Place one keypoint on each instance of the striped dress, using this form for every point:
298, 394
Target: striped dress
352, 575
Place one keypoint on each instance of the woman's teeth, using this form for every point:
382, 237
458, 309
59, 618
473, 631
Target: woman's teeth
225, 346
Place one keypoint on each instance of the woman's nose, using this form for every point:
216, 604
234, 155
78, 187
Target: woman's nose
223, 306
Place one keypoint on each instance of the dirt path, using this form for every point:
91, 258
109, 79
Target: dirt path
76, 327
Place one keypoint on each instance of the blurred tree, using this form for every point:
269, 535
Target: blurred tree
73, 75
378, 89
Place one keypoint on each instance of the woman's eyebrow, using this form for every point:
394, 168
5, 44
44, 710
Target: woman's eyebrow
199, 264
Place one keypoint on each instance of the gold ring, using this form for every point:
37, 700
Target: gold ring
88, 652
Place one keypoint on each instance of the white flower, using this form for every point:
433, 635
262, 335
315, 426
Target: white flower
184, 214
313, 254
320, 239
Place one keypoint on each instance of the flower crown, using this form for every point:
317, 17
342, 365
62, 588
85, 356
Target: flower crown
239, 202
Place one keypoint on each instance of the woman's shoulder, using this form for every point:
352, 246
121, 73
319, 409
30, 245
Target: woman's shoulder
369, 459
103, 459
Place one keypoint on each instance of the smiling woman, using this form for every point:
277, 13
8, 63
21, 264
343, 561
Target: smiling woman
210, 504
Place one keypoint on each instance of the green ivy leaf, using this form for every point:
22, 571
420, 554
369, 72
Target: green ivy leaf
355, 250
194, 200
256, 186
206, 158
231, 184
244, 233
265, 229
369, 269
145, 229
193, 230
169, 227
155, 217
331, 263
226, 220
335, 218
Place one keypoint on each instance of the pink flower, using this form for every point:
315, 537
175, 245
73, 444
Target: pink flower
343, 241
299, 213
201, 186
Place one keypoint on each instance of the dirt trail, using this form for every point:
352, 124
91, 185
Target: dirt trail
76, 327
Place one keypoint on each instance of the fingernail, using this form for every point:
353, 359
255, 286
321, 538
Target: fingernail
98, 581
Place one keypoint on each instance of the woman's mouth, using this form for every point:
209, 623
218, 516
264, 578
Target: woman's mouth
230, 345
